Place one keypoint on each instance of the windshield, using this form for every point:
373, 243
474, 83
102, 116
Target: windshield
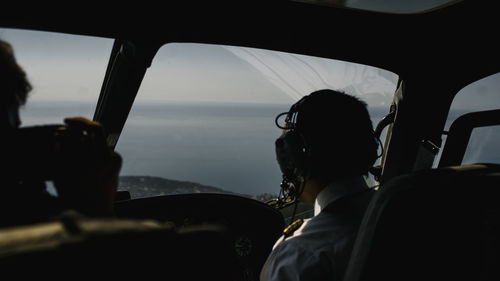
203, 120
478, 96
66, 72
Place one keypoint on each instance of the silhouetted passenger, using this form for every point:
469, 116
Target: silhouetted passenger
326, 147
85, 186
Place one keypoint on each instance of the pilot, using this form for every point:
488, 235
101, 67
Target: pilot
326, 149
88, 189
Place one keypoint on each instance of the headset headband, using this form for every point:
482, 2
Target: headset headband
291, 115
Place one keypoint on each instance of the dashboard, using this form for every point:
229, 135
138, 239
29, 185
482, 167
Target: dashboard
253, 226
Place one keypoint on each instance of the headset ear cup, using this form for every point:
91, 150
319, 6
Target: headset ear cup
305, 154
292, 155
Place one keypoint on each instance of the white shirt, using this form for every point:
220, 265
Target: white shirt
317, 249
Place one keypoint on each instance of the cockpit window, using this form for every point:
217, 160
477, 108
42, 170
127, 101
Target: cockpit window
203, 120
387, 6
66, 72
479, 96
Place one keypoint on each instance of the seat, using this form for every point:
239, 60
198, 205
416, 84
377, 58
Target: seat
436, 224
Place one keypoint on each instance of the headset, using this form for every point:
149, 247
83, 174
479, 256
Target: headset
293, 155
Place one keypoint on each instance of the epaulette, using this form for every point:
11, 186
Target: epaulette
292, 227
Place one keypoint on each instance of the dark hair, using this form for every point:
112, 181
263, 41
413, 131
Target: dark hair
14, 85
338, 131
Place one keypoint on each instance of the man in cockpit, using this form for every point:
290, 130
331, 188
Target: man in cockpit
326, 148
88, 188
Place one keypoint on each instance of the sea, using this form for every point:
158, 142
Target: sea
225, 145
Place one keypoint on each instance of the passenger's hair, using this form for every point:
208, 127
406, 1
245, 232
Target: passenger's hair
339, 132
14, 85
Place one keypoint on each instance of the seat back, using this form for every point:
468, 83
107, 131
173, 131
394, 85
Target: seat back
439, 224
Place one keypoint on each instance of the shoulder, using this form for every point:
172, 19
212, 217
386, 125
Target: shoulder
318, 232
295, 242
292, 260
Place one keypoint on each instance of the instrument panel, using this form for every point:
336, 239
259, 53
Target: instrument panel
253, 226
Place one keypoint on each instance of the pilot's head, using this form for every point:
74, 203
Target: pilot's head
14, 87
328, 136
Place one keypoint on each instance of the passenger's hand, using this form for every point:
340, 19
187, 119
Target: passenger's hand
90, 185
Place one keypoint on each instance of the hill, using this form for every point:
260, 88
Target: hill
146, 186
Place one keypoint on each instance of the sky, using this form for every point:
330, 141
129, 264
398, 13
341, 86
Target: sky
61, 67
69, 67
210, 73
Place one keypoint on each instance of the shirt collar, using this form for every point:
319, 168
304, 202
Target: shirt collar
337, 190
